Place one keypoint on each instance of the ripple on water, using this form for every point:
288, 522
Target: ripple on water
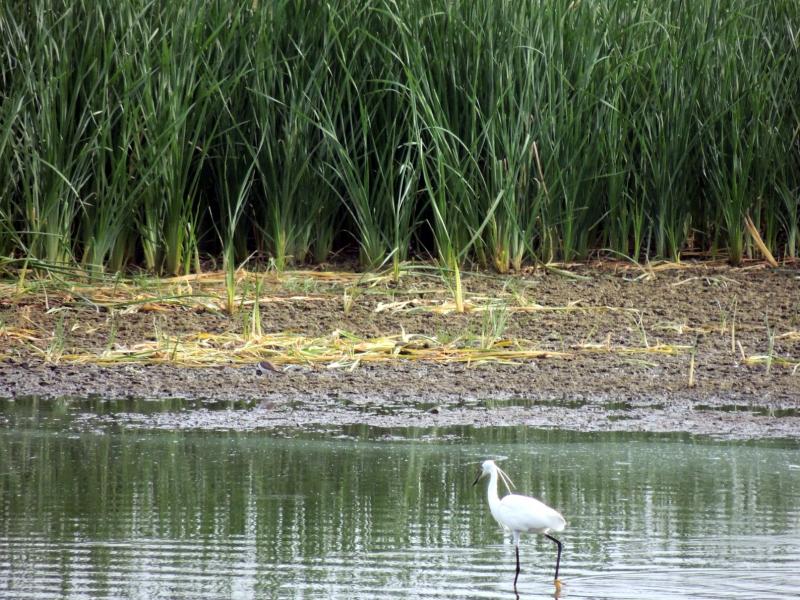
179, 515
206, 568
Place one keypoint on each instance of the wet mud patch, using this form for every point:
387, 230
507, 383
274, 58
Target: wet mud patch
336, 415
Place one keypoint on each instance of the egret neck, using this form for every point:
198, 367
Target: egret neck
494, 499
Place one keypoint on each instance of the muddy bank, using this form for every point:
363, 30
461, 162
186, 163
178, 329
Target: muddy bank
420, 395
739, 379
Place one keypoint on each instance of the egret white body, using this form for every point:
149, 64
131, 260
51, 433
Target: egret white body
521, 514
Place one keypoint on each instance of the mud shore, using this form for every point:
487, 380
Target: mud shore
739, 379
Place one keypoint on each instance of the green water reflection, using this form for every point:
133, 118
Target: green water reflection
358, 512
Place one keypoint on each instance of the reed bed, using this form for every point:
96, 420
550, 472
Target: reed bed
159, 135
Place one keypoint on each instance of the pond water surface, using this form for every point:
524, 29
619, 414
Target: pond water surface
97, 509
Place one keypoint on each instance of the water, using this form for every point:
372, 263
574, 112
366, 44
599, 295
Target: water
95, 509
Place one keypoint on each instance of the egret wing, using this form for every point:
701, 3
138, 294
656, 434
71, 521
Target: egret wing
523, 513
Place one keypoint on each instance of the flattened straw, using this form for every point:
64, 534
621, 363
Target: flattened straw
762, 247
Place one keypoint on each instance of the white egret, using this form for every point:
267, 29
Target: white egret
521, 514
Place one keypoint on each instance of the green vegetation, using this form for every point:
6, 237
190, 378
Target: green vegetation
145, 133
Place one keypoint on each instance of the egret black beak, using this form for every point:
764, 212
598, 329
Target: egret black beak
477, 479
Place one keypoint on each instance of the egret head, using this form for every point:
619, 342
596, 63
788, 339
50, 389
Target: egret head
487, 468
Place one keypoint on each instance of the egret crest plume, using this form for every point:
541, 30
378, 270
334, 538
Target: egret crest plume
504, 477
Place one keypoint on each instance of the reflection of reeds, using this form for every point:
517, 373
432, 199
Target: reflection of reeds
499, 133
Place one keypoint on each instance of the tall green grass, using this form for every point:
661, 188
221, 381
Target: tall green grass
140, 133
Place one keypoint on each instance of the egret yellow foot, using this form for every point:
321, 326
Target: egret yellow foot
558, 586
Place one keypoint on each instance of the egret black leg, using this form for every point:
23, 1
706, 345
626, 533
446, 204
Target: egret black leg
516, 576
558, 559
